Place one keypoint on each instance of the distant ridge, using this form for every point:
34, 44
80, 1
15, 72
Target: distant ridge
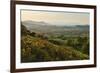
44, 27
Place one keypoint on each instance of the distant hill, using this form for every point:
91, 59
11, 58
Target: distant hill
43, 27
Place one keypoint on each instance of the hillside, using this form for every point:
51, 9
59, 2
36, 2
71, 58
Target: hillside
37, 48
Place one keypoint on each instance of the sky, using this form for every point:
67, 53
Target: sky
56, 18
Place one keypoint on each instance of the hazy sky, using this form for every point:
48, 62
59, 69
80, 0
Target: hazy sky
55, 17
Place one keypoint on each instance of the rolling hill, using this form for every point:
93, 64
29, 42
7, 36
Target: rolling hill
46, 28
38, 49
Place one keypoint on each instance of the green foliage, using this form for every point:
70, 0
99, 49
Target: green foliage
34, 48
78, 43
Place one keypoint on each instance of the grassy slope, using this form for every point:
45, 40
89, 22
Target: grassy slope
36, 49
